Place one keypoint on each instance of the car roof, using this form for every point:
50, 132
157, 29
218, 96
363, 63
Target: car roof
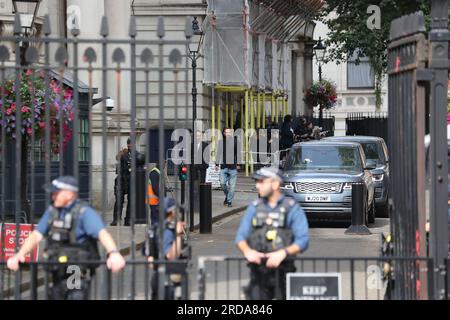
355, 138
329, 143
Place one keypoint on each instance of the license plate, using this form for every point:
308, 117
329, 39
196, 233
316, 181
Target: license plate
318, 199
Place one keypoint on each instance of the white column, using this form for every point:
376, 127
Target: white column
90, 14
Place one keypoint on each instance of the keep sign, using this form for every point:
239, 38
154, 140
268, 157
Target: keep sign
313, 286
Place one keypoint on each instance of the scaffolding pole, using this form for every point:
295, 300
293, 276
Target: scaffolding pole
272, 108
226, 110
246, 133
258, 111
264, 110
232, 111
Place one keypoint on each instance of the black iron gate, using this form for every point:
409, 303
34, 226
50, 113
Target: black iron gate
371, 124
51, 126
418, 73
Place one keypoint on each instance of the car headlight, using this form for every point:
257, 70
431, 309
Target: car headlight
378, 177
287, 186
347, 186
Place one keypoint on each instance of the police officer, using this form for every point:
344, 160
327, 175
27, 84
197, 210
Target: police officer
153, 194
273, 228
71, 229
174, 245
122, 182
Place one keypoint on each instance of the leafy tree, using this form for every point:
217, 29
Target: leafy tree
347, 21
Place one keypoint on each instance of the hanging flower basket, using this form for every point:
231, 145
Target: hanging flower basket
34, 109
322, 93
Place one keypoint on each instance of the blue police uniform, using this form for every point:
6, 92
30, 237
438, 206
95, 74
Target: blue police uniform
89, 224
296, 221
71, 233
267, 229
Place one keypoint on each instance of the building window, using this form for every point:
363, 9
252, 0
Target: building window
83, 145
83, 138
359, 76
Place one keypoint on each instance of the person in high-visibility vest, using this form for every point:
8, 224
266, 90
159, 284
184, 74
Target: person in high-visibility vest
153, 194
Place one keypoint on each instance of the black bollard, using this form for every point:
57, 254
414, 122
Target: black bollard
205, 208
358, 215
141, 189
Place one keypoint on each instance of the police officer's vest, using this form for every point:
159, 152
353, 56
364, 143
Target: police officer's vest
62, 246
152, 198
270, 231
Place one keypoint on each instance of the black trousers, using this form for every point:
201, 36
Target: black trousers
65, 289
120, 198
268, 284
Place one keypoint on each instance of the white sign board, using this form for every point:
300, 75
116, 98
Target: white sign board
213, 176
313, 286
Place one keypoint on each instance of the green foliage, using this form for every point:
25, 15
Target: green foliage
347, 22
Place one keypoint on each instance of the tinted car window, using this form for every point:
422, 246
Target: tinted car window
373, 151
324, 157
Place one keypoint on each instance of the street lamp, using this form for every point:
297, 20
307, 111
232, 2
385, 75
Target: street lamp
27, 10
194, 36
319, 52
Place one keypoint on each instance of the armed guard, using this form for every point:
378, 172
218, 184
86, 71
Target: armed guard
122, 182
72, 229
273, 228
175, 247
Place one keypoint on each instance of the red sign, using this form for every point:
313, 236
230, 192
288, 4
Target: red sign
9, 240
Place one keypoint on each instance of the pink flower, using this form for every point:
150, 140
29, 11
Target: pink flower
13, 106
56, 90
8, 111
42, 125
24, 109
68, 94
29, 131
29, 72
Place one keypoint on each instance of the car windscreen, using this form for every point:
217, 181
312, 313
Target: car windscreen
373, 151
324, 157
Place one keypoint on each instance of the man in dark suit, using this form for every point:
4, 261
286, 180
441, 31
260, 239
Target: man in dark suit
201, 159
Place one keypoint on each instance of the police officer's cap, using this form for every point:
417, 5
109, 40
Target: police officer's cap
169, 205
62, 183
268, 172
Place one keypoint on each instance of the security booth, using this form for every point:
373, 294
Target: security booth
61, 163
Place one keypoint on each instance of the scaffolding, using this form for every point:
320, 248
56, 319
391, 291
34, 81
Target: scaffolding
247, 60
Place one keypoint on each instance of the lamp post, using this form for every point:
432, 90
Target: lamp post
319, 52
195, 36
26, 11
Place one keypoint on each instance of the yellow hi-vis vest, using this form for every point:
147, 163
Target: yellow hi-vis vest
152, 198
